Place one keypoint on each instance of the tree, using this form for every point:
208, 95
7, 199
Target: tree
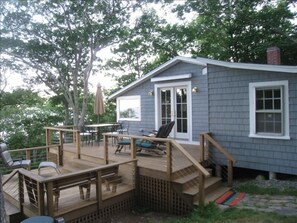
241, 30
60, 41
23, 116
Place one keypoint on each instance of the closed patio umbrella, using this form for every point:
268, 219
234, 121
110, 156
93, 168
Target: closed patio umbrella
99, 108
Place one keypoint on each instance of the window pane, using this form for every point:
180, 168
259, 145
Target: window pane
268, 122
259, 94
268, 104
277, 93
268, 93
277, 104
185, 125
259, 105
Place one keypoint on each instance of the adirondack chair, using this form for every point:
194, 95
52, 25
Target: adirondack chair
149, 145
155, 146
12, 163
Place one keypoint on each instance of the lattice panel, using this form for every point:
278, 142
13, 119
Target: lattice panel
104, 215
158, 196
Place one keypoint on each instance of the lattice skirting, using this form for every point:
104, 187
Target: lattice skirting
105, 214
159, 196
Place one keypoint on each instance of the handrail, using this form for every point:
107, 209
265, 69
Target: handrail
61, 129
219, 147
189, 157
35, 148
11, 175
230, 158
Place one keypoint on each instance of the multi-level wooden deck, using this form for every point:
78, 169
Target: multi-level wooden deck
174, 182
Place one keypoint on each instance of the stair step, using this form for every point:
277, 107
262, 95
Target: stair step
186, 178
215, 194
208, 183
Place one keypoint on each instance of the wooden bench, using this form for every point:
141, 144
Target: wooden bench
109, 176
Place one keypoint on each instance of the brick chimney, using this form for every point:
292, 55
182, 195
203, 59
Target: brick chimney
273, 56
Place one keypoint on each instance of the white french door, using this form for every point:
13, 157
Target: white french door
173, 105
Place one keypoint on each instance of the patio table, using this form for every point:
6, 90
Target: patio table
100, 125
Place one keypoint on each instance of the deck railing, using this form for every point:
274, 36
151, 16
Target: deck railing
35, 154
38, 195
170, 144
61, 135
209, 148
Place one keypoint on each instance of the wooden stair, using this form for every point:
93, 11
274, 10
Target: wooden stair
186, 184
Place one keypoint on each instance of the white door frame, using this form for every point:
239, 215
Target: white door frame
188, 86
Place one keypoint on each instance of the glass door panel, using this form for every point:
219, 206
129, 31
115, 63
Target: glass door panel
166, 106
181, 106
173, 102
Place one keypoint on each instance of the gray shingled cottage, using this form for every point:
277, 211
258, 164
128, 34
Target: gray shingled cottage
250, 109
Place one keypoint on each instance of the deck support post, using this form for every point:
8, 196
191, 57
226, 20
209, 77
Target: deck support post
202, 147
201, 189
230, 173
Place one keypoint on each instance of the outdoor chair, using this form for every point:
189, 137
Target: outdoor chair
12, 163
153, 145
149, 145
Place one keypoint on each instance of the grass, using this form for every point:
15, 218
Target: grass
251, 188
213, 214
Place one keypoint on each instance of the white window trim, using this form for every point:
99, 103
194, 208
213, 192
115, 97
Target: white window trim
170, 78
135, 97
285, 103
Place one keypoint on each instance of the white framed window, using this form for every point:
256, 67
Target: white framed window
269, 110
128, 108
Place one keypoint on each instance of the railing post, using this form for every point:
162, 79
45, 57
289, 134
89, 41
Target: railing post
133, 148
201, 189
230, 173
50, 198
78, 143
105, 142
202, 152
61, 149
40, 192
21, 193
47, 137
99, 189
28, 157
169, 159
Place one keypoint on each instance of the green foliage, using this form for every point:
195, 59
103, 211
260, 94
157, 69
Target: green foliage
240, 30
60, 40
23, 116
